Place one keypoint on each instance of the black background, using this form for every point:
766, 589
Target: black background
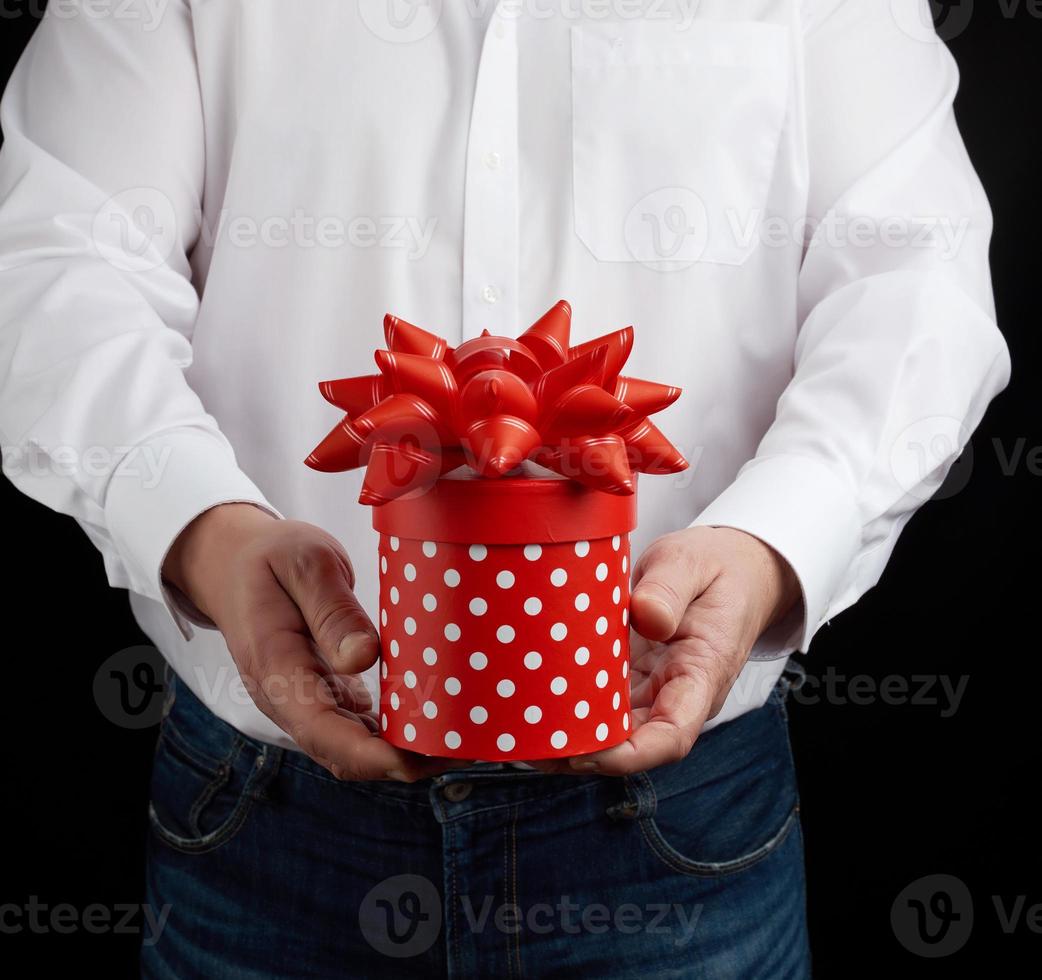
891, 791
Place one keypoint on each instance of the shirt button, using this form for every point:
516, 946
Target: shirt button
490, 294
457, 792
493, 160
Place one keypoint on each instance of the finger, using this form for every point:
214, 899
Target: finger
670, 575
290, 688
664, 733
319, 581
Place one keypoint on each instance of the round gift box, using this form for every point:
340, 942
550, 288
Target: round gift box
504, 618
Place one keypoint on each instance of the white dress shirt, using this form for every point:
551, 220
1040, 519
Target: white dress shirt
208, 206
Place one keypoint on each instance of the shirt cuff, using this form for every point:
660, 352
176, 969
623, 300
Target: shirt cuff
156, 492
809, 516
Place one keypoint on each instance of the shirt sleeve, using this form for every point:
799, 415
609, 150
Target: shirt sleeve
101, 174
898, 353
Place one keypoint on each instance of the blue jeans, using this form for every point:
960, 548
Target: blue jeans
265, 866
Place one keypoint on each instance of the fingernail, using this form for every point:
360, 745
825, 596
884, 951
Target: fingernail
352, 640
584, 765
397, 775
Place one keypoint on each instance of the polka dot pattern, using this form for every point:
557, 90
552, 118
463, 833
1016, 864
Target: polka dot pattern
504, 652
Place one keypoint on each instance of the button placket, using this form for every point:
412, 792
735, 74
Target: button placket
491, 209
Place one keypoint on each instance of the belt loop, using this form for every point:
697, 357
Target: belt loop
640, 801
265, 767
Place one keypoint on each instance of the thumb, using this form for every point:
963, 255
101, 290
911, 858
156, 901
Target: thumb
669, 577
321, 587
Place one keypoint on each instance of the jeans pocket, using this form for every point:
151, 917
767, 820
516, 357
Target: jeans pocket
728, 805
199, 802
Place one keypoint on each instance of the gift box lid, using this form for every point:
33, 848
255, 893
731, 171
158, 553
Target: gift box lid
531, 505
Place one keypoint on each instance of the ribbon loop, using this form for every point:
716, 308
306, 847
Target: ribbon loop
493, 403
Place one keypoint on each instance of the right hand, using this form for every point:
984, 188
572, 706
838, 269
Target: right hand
281, 593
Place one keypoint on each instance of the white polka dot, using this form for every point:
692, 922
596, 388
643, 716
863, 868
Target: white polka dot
478, 660
601, 572
505, 742
383, 564
582, 709
452, 686
582, 656
533, 552
383, 722
616, 647
615, 542
478, 606
601, 625
505, 688
582, 602
430, 549
452, 632
582, 548
558, 577
409, 572
558, 631
430, 709
559, 739
394, 544
395, 700
430, 656
429, 602
410, 625
558, 685
616, 699
452, 740
533, 605
602, 678
533, 660
451, 577
616, 595
625, 564
601, 732
626, 722
505, 634
409, 678
383, 669
625, 668
533, 713
625, 616
394, 648
478, 552
383, 617
395, 595
505, 579
478, 715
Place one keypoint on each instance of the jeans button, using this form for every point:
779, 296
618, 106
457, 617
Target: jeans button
457, 792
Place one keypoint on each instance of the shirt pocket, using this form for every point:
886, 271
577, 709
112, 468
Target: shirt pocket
675, 134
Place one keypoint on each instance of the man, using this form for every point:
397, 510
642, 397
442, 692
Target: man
207, 207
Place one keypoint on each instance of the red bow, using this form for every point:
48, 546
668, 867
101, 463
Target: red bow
492, 403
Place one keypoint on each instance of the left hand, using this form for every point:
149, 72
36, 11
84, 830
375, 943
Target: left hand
702, 597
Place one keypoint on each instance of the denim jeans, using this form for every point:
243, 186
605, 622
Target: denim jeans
266, 866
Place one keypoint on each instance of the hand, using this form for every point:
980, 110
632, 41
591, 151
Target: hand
702, 597
281, 593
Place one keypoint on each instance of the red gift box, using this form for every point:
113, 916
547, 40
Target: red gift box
502, 479
504, 609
